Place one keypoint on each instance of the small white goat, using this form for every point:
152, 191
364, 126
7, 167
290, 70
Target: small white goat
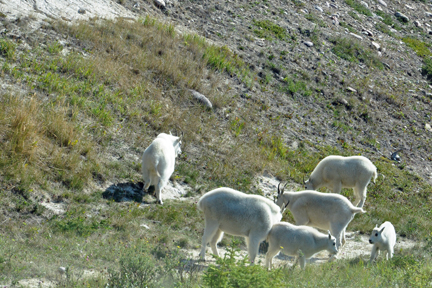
236, 213
337, 172
158, 162
326, 211
299, 241
384, 238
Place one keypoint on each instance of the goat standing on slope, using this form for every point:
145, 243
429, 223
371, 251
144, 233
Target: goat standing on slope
236, 213
158, 162
337, 172
383, 238
326, 211
299, 241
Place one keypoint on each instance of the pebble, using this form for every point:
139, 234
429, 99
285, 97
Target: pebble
160, 3
402, 16
350, 89
417, 23
81, 11
381, 2
368, 33
201, 98
356, 36
319, 9
308, 43
428, 127
364, 4
376, 45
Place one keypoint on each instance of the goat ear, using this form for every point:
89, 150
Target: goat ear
329, 234
382, 229
170, 133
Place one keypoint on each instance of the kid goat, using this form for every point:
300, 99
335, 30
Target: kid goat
158, 162
383, 238
326, 211
299, 241
337, 172
236, 213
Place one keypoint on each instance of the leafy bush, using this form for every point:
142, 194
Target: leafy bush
229, 272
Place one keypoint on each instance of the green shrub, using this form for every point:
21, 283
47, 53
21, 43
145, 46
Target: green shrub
229, 272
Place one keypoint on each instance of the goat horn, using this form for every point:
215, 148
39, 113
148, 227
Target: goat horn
278, 188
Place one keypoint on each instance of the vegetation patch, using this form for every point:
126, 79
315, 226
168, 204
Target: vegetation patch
353, 51
421, 48
267, 29
356, 5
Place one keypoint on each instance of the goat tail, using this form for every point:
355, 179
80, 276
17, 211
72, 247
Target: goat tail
199, 204
356, 210
375, 175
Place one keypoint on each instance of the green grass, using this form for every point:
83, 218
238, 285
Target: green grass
353, 51
356, 5
421, 48
269, 30
387, 19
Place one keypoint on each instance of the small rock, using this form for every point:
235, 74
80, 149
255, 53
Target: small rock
428, 14
417, 23
81, 11
403, 17
200, 97
308, 43
356, 36
381, 2
160, 3
334, 6
428, 127
395, 156
368, 33
351, 89
364, 4
62, 270
376, 45
409, 7
145, 226
319, 9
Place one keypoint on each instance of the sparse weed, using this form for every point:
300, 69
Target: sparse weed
353, 51
359, 7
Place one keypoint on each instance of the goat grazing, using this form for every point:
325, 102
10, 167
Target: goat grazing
337, 172
326, 211
158, 162
236, 213
384, 238
299, 241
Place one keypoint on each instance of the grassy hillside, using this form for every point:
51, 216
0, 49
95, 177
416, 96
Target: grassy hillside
81, 103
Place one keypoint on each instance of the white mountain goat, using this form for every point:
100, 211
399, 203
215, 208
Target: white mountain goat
383, 238
299, 241
326, 211
337, 172
158, 162
236, 213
